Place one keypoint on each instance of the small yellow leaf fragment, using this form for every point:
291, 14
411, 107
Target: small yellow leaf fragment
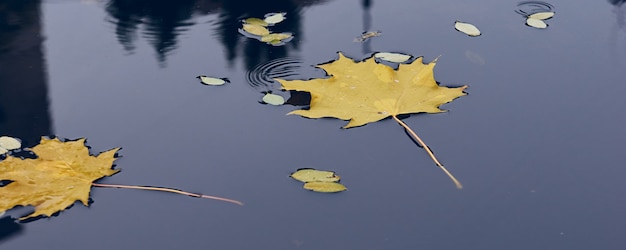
275, 37
255, 21
542, 15
273, 99
254, 29
325, 187
467, 28
212, 80
9, 143
392, 57
274, 18
313, 175
536, 23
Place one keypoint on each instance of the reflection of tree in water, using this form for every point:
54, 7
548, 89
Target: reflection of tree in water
619, 11
163, 21
23, 84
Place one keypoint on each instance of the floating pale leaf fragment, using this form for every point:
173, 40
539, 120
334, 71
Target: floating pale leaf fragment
542, 15
367, 35
536, 23
325, 187
3, 151
467, 28
212, 80
313, 175
255, 29
274, 18
273, 99
255, 21
9, 143
392, 57
269, 38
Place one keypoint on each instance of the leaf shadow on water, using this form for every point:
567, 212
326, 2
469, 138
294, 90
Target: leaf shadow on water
9, 229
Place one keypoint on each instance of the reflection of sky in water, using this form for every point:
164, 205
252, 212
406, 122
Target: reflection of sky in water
537, 142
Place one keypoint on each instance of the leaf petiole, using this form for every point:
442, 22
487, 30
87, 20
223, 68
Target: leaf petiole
430, 153
171, 190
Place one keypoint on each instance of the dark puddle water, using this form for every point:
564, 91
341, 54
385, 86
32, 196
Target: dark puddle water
537, 143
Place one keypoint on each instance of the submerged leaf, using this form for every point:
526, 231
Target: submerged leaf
273, 99
274, 18
61, 175
392, 57
313, 175
325, 187
367, 35
542, 15
366, 91
212, 80
257, 30
536, 23
467, 28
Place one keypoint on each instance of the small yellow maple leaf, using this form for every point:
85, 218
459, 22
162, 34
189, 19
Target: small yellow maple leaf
62, 174
365, 92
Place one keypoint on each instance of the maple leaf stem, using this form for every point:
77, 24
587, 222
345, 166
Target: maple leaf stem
171, 190
430, 153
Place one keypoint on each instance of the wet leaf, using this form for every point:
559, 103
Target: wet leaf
255, 21
274, 18
325, 187
9, 143
313, 175
467, 28
542, 15
212, 80
62, 174
392, 57
273, 99
536, 23
365, 92
275, 37
257, 30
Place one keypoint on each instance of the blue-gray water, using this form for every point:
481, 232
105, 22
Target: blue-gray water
537, 143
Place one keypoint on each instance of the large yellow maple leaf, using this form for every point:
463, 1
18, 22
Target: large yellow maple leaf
367, 91
61, 174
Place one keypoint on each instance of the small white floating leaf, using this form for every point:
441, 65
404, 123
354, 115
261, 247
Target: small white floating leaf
274, 18
212, 80
467, 28
273, 99
9, 143
542, 15
392, 57
3, 151
536, 23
